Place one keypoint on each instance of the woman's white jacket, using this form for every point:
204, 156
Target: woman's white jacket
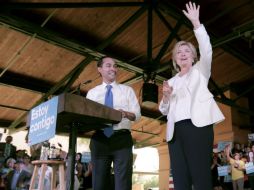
204, 110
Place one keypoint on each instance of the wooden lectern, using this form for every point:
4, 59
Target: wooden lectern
77, 114
75, 108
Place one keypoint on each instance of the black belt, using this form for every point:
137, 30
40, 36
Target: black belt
121, 131
116, 132
182, 122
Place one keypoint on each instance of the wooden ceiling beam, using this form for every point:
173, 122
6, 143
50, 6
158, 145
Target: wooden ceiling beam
226, 11
168, 41
245, 92
149, 66
25, 82
58, 39
124, 26
74, 75
133, 80
166, 23
234, 105
13, 107
6, 123
77, 70
224, 42
217, 88
51, 91
38, 5
224, 100
103, 45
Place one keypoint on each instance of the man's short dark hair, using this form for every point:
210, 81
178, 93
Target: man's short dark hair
100, 61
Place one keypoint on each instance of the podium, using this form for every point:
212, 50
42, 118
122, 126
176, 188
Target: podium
89, 114
76, 114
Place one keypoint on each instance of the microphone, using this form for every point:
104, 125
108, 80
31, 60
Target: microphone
86, 82
60, 145
89, 81
80, 84
83, 83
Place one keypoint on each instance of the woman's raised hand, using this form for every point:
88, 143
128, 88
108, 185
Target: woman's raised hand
192, 13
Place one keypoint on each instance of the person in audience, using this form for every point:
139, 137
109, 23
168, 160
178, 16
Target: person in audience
225, 181
237, 169
223, 158
9, 166
18, 178
7, 149
236, 149
246, 184
79, 168
191, 110
247, 151
2, 185
68, 177
27, 164
243, 148
215, 176
251, 159
87, 184
20, 154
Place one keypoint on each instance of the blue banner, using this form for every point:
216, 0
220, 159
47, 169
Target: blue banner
249, 167
251, 137
222, 145
86, 157
43, 122
223, 170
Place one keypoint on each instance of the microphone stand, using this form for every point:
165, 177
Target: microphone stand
77, 89
70, 177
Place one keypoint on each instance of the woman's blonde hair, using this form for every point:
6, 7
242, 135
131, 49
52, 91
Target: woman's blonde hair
175, 49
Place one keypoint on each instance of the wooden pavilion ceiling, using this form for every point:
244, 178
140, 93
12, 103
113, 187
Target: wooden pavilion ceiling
51, 47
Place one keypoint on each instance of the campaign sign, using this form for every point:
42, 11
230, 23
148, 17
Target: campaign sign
43, 122
223, 170
249, 167
86, 157
222, 145
251, 137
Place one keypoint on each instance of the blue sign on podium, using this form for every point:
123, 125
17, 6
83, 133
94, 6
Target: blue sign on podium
43, 122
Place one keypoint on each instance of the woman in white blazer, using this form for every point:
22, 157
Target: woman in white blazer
191, 110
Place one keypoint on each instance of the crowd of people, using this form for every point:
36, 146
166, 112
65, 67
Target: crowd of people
235, 157
16, 168
191, 111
